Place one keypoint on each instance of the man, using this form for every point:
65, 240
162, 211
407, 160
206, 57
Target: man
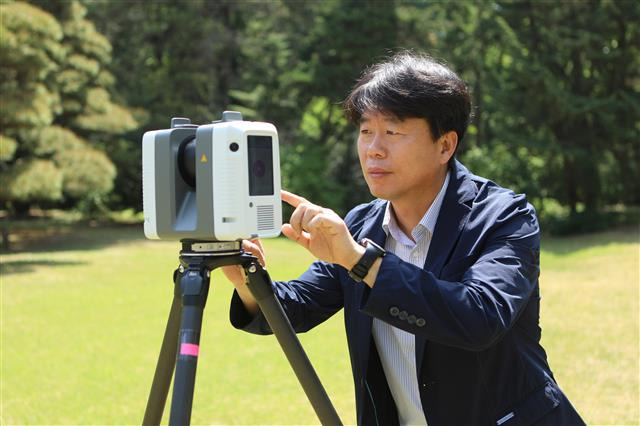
442, 324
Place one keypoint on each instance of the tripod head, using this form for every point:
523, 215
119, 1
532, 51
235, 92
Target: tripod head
204, 256
209, 255
210, 248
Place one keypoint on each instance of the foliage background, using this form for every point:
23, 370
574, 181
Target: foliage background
554, 85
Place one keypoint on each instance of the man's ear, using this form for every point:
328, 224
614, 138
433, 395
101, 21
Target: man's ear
448, 144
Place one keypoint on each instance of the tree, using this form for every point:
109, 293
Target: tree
573, 95
555, 92
29, 47
58, 116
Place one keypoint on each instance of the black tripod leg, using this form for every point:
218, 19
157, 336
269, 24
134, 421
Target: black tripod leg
259, 284
194, 283
166, 362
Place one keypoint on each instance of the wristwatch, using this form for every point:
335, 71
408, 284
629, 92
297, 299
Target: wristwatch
361, 269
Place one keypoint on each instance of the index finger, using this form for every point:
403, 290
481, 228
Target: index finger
291, 198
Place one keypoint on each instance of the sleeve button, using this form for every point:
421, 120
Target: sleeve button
420, 322
412, 319
403, 315
394, 311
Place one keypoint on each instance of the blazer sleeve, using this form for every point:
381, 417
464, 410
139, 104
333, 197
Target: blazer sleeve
477, 298
307, 301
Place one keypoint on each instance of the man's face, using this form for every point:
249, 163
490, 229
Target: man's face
400, 160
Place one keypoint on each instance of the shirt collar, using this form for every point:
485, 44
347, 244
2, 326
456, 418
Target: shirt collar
426, 225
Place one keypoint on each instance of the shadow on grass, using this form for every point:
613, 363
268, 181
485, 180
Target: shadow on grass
569, 244
21, 266
73, 237
86, 237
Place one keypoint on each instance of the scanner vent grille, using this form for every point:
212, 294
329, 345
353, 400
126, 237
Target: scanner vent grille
266, 219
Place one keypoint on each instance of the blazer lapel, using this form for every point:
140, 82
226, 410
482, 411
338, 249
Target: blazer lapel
372, 229
372, 224
452, 219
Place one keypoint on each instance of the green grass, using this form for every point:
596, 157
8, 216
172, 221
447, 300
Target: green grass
589, 315
83, 316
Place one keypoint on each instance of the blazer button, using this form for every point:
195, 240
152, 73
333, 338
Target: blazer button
403, 315
412, 319
394, 311
420, 322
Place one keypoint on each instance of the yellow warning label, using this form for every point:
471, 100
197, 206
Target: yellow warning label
203, 159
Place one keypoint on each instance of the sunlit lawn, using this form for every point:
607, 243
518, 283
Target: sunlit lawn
83, 318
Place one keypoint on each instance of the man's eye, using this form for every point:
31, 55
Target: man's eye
392, 132
365, 131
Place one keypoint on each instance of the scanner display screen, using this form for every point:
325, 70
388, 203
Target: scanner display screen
260, 165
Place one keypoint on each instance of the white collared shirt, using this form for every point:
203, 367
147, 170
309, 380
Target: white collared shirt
397, 347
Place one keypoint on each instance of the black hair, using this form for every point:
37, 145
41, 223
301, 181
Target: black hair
410, 85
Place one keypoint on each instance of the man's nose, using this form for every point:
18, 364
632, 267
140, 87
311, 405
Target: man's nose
376, 147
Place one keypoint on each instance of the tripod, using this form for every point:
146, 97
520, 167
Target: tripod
191, 287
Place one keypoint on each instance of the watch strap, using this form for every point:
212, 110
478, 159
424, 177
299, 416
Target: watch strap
372, 252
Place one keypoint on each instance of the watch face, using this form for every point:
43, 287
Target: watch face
366, 242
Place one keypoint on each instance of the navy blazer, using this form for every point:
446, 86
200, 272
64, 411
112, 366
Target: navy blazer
473, 307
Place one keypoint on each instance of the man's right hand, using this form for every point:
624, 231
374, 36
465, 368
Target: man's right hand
235, 274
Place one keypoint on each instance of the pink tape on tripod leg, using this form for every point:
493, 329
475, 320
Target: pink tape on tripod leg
189, 349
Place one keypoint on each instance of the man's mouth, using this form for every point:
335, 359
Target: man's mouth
377, 172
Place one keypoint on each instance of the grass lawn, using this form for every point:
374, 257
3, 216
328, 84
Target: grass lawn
83, 317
